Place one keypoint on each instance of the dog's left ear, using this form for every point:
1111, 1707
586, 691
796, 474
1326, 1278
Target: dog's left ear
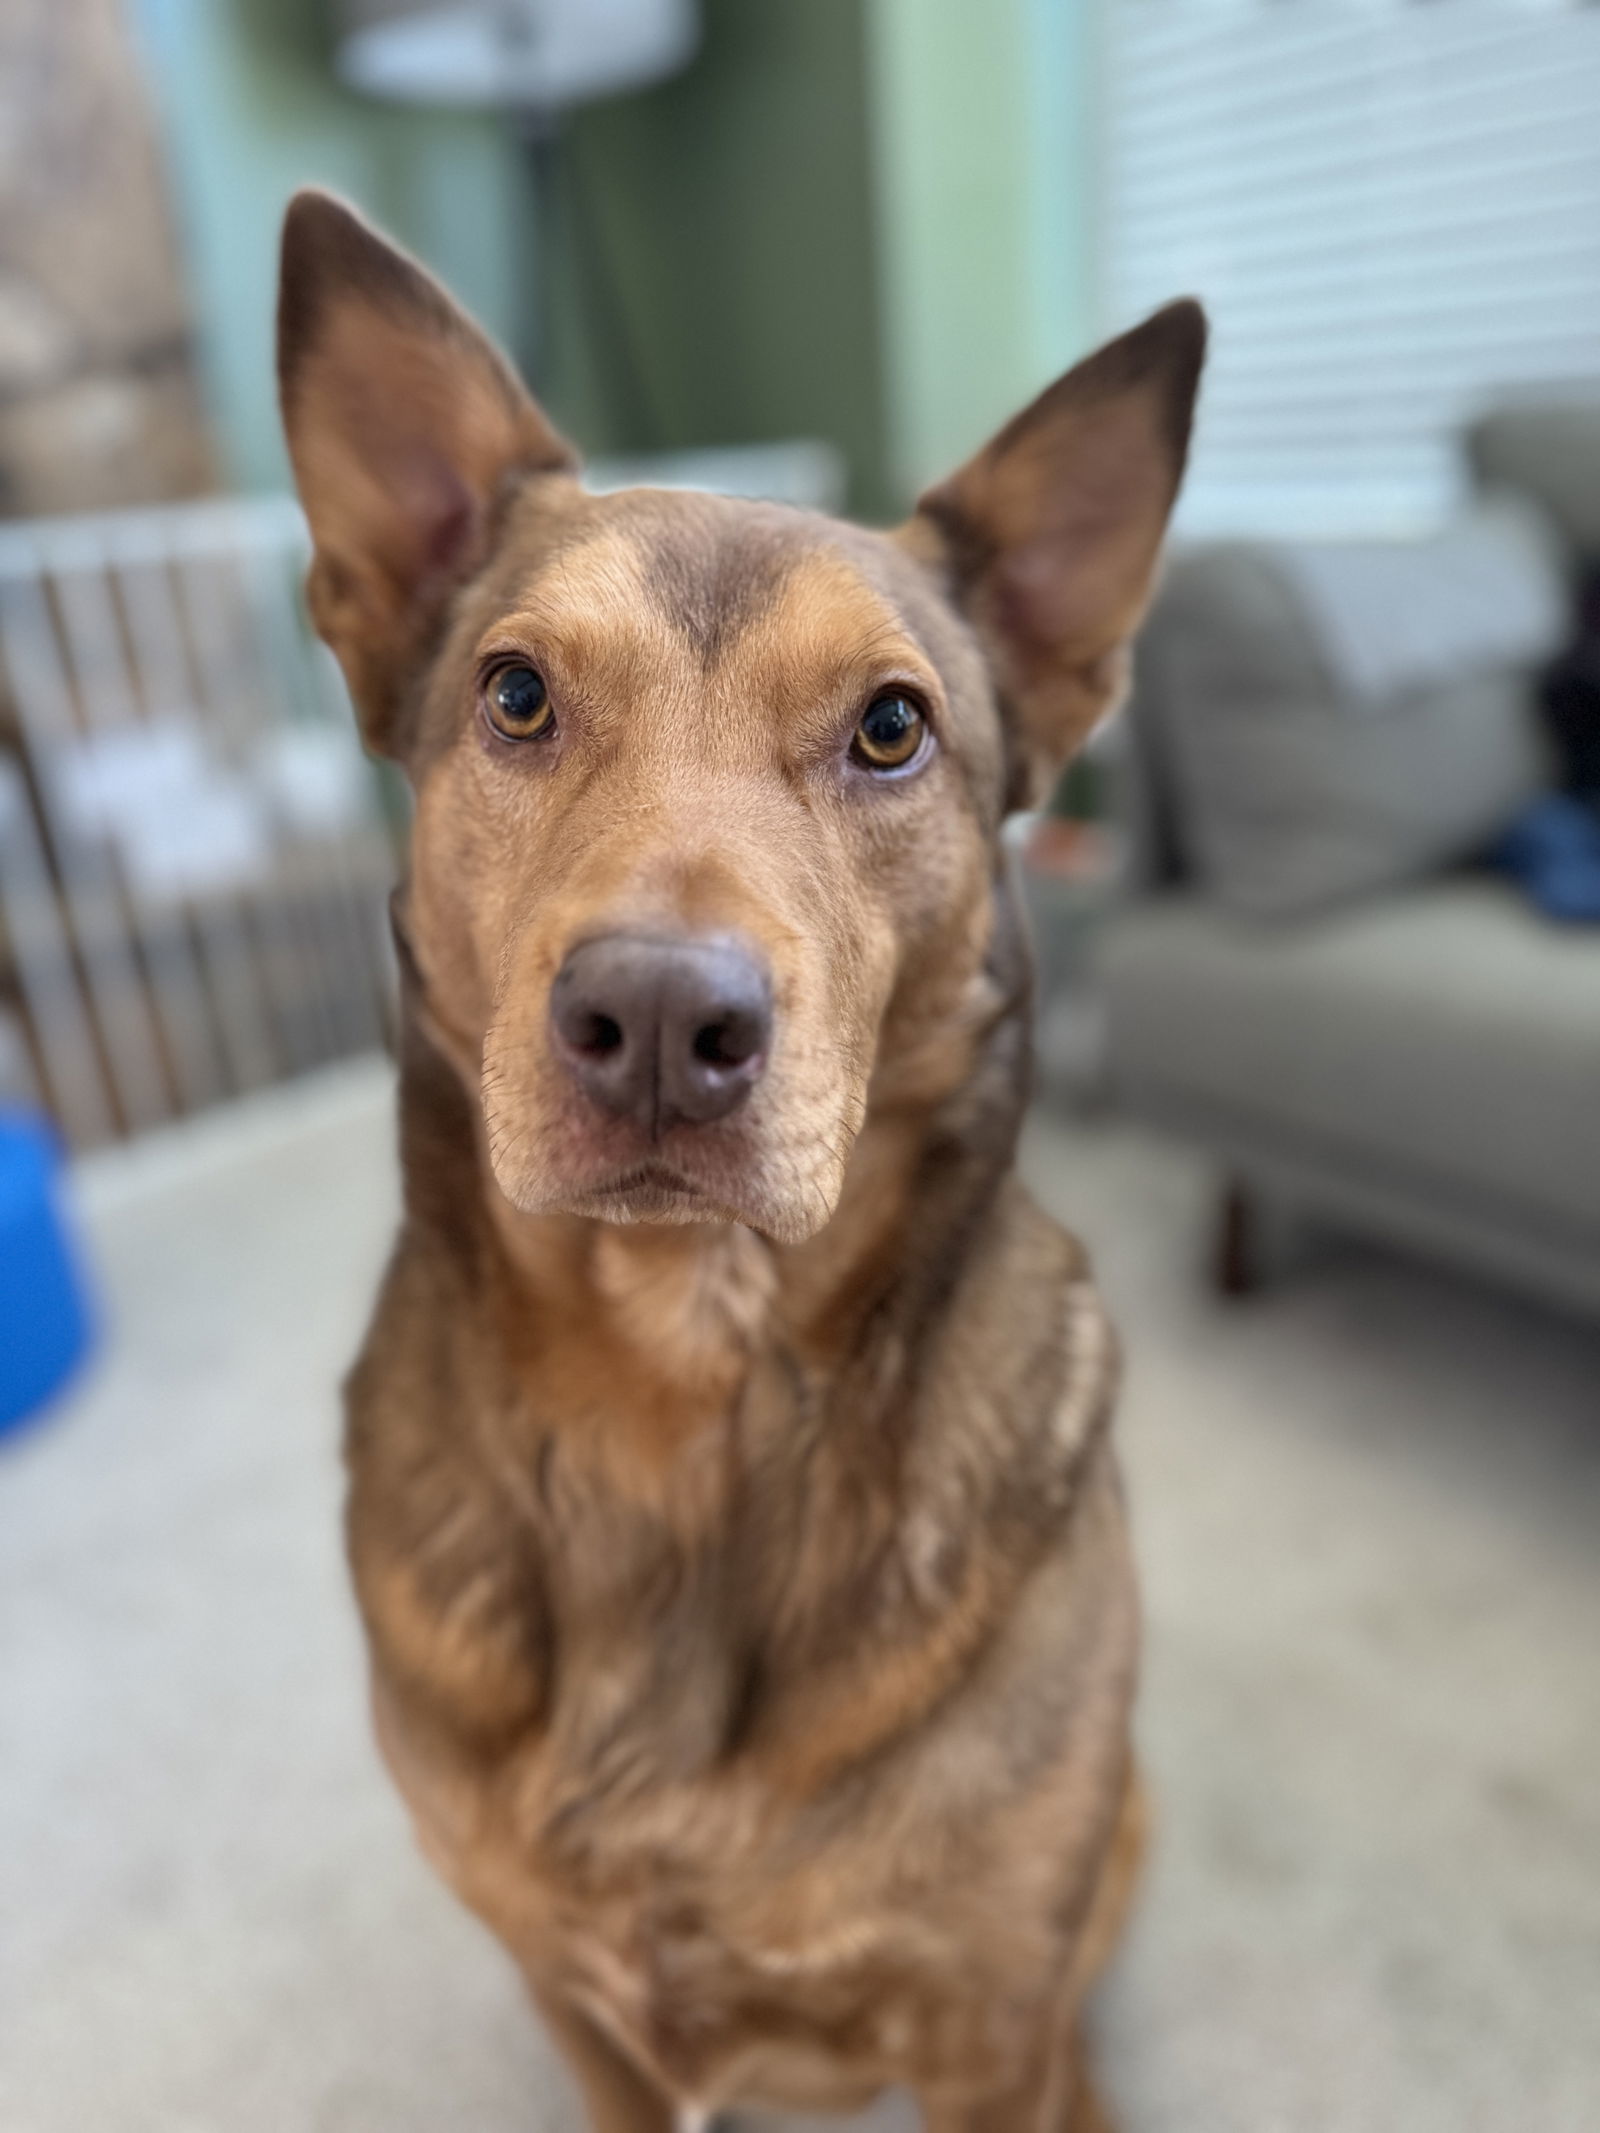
1053, 531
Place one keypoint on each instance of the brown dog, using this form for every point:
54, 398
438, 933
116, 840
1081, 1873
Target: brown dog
731, 1509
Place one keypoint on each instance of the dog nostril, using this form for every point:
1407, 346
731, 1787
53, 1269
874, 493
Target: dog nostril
731, 1042
598, 1034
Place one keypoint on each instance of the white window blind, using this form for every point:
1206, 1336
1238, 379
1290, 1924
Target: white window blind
1392, 212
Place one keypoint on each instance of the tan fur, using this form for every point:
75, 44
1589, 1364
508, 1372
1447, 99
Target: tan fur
737, 1533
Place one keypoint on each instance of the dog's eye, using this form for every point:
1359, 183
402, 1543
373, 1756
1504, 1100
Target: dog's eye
889, 734
519, 705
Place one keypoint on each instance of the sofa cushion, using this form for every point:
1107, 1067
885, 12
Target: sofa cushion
1290, 793
1488, 591
1449, 1035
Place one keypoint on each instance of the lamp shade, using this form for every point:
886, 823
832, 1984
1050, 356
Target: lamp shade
524, 54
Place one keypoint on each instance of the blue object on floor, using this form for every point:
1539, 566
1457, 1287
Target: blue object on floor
1553, 849
45, 1323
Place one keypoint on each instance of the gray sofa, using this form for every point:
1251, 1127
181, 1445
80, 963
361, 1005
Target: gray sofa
1310, 980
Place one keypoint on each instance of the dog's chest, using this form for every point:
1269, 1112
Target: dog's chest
624, 1756
682, 1926
673, 1911
595, 1817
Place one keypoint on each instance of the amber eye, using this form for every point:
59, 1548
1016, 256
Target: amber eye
518, 704
890, 733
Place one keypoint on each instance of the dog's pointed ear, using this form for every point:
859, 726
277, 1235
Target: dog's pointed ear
404, 422
1052, 533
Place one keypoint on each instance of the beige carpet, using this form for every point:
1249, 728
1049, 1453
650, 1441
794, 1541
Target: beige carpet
1369, 1509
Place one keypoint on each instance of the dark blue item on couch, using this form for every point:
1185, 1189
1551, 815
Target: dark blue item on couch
1553, 849
45, 1325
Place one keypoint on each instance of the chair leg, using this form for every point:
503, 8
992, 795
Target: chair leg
1236, 1246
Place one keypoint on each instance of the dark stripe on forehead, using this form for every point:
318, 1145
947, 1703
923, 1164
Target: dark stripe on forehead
714, 567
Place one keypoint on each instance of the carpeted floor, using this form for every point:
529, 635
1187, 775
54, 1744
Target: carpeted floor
1368, 1508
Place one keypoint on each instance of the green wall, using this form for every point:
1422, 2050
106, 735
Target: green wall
251, 110
723, 222
981, 164
864, 220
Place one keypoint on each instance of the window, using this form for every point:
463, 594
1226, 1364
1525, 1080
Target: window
1392, 211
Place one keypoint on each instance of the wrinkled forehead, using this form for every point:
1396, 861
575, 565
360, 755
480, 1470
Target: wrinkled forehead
697, 585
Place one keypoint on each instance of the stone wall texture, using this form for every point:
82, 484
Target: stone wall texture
99, 400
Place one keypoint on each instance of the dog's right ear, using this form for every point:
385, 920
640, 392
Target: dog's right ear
404, 422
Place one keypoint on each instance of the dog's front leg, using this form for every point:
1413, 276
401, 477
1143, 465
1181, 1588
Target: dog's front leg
619, 2098
1053, 2094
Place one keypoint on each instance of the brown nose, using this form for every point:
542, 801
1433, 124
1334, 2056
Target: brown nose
663, 1031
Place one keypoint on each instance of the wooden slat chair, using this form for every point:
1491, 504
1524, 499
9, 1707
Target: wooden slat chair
217, 850
52, 1049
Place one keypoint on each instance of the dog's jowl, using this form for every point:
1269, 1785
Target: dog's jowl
732, 1510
